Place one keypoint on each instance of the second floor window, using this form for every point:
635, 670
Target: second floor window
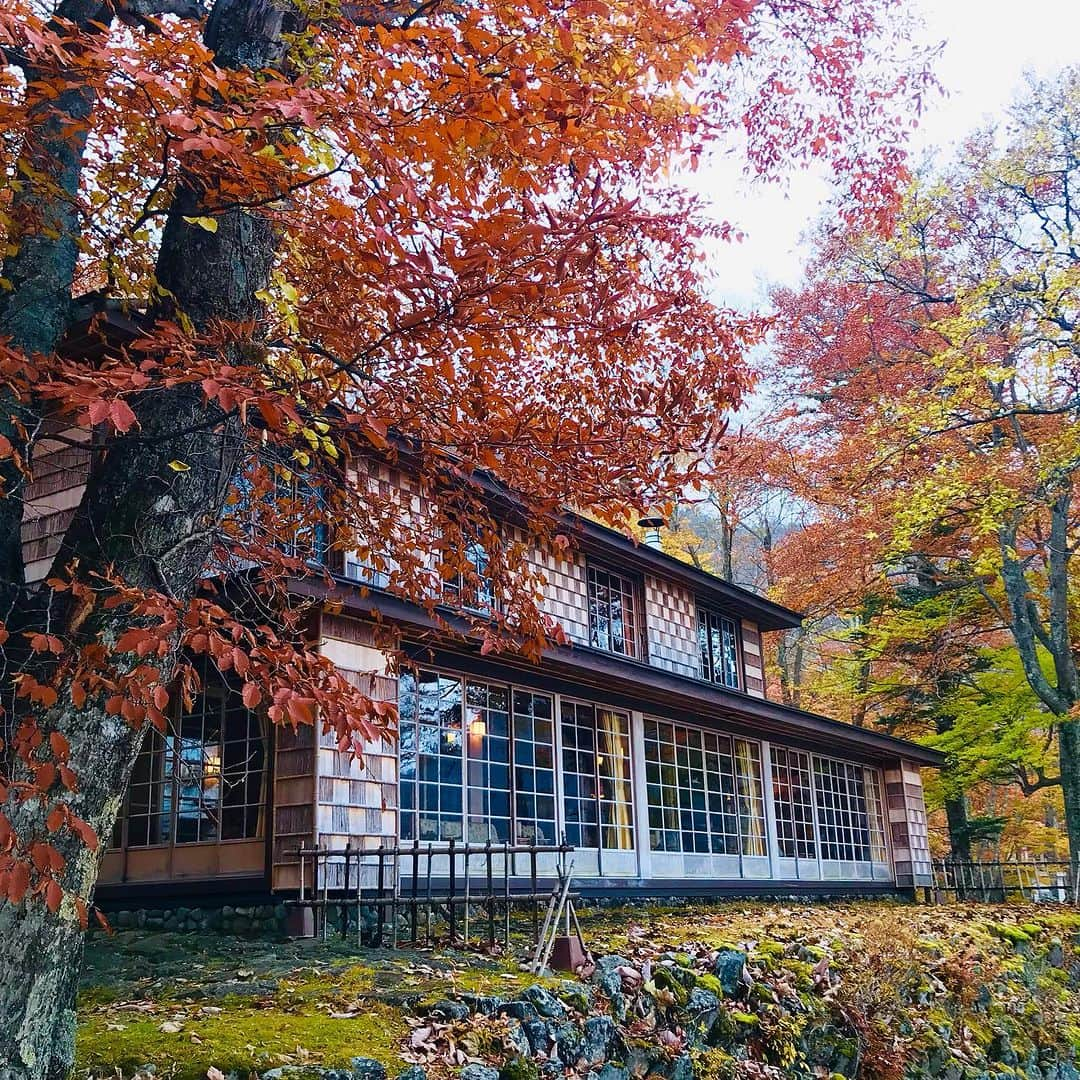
719, 641
614, 623
474, 591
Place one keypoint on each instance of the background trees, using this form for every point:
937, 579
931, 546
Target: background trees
929, 382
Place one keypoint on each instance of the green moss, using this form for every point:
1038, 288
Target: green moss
519, 1068
1010, 932
711, 983
714, 1064
244, 1040
768, 947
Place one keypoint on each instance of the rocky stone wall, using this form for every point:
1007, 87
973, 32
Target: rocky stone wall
259, 919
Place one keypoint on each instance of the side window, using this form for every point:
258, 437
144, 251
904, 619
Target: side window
614, 613
718, 637
473, 591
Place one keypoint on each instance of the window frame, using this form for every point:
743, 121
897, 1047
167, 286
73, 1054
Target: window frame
704, 612
727, 808
636, 593
477, 597
411, 807
597, 800
844, 832
164, 786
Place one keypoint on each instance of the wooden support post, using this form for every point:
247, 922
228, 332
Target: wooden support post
535, 899
506, 892
490, 897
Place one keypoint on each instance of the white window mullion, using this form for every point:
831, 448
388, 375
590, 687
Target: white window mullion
773, 847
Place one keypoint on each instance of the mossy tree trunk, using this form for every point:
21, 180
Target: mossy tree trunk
154, 526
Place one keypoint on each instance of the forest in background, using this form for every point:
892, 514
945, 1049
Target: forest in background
906, 478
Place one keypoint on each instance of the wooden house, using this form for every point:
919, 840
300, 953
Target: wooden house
649, 744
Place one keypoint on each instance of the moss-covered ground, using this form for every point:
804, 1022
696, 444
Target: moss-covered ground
960, 974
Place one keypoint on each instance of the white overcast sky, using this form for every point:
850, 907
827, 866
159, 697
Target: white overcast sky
989, 45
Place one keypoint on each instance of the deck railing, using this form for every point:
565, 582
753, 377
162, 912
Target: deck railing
424, 893
1006, 881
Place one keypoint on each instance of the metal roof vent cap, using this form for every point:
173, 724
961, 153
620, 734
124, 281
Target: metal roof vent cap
652, 523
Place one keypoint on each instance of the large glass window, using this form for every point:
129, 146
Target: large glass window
704, 791
597, 796
473, 591
718, 639
843, 823
202, 781
793, 799
875, 810
432, 756
476, 761
488, 756
534, 769
613, 613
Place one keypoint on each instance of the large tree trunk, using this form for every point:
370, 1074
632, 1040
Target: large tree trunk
956, 818
155, 526
1069, 758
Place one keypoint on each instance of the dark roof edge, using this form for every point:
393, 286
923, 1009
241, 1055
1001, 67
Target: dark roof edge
768, 614
582, 661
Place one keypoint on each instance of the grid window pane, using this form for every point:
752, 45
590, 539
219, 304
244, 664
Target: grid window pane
534, 769
432, 756
704, 791
474, 590
488, 774
876, 813
597, 799
614, 613
202, 781
844, 820
792, 780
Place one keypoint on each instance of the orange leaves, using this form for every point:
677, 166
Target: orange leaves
117, 412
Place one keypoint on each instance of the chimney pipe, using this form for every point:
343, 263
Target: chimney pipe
652, 523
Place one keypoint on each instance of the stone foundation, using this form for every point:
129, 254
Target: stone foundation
266, 920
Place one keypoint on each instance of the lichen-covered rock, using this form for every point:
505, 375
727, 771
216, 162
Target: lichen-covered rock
606, 975
449, 1010
515, 1034
682, 1068
728, 969
609, 1071
519, 1068
600, 1037
365, 1068
413, 1072
643, 1058
544, 1002
702, 1009
539, 1034
306, 1072
569, 1044
608, 981
483, 1004
518, 1010
577, 995
479, 1072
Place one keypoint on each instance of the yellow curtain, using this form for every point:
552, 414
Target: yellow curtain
751, 800
614, 767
